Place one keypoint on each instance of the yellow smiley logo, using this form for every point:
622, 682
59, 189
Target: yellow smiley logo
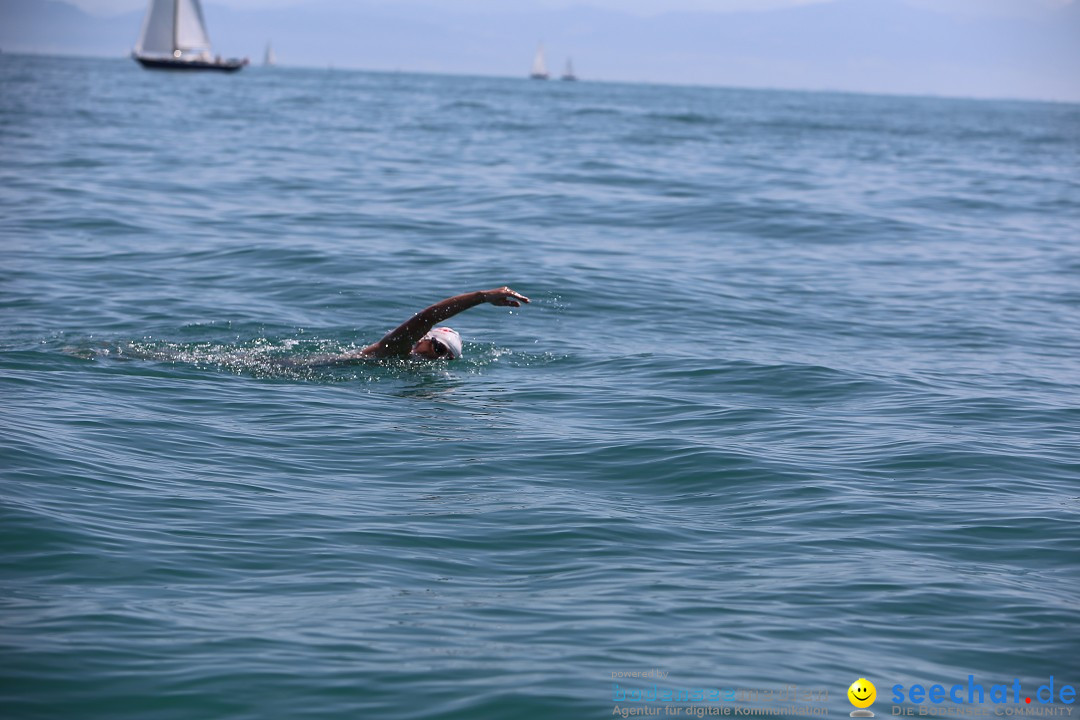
862, 693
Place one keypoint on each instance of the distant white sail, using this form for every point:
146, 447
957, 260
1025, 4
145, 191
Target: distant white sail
269, 59
539, 68
173, 27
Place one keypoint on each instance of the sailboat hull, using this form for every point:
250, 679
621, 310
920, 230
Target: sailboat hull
170, 64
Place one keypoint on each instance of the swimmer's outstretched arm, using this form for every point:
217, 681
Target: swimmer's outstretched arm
398, 342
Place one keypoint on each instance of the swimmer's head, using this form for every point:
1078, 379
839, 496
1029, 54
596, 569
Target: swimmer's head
439, 344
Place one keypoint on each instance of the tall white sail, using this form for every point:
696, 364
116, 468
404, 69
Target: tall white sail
156, 37
171, 26
190, 28
539, 68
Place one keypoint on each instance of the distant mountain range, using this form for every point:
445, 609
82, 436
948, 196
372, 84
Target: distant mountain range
53, 27
858, 45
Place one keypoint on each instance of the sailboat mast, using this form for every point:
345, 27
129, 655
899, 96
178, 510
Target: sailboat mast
176, 27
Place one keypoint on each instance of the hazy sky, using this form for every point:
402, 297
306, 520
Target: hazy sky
642, 7
972, 48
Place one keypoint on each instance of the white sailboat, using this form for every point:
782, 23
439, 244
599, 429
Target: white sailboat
539, 69
569, 73
174, 37
269, 60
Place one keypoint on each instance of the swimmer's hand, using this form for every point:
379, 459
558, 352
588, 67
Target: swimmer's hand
504, 296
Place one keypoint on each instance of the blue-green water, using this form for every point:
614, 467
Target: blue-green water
797, 399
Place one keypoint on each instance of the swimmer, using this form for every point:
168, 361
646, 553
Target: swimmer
418, 337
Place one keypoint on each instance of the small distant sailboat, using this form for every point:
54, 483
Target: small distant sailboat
539, 69
569, 72
269, 60
174, 37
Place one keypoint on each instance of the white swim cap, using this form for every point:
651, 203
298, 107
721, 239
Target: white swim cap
448, 337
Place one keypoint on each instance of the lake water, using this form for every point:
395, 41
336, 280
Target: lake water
797, 399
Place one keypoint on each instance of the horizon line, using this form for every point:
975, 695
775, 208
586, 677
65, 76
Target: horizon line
586, 80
